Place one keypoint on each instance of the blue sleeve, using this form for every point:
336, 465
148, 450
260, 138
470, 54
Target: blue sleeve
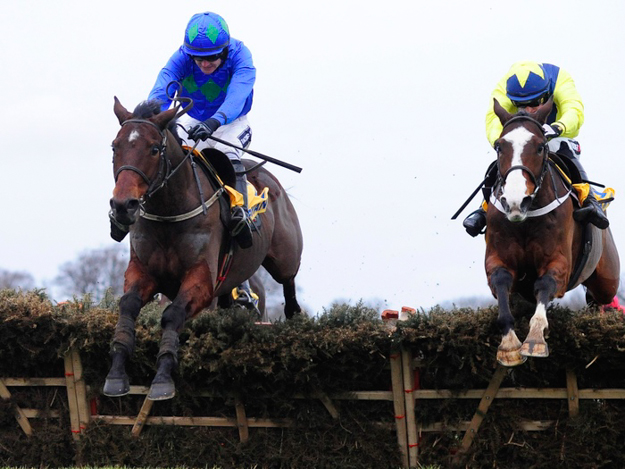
240, 88
174, 70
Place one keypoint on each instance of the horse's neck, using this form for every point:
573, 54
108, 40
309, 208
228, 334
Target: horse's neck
554, 185
181, 192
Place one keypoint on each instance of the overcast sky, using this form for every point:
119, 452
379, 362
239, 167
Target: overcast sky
381, 103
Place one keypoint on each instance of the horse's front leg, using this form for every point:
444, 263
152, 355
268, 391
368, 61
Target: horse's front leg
196, 293
508, 351
140, 288
535, 345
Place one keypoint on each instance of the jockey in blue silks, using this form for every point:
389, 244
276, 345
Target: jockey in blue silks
217, 72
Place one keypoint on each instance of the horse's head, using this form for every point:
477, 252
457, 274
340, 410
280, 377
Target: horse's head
139, 160
522, 158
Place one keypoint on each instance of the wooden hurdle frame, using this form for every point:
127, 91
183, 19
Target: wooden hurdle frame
404, 395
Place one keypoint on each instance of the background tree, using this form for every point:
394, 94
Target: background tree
16, 280
94, 272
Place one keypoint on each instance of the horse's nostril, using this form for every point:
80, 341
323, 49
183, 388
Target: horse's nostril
132, 204
527, 201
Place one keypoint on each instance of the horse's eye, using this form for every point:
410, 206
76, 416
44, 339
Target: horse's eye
155, 150
497, 147
541, 148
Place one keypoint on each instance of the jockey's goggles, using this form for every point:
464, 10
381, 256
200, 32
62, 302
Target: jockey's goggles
208, 58
534, 102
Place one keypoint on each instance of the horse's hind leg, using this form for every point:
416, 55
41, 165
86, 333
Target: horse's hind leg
535, 345
603, 284
508, 350
284, 273
291, 306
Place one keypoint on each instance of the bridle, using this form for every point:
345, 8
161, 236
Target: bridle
165, 172
164, 165
537, 181
501, 178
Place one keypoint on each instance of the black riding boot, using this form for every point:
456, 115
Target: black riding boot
475, 222
591, 211
240, 228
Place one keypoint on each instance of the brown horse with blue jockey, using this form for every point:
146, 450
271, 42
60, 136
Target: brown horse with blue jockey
176, 205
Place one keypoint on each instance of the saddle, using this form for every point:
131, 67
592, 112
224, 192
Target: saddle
217, 167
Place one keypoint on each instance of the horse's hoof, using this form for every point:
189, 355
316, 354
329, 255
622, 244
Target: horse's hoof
116, 387
161, 391
510, 358
535, 349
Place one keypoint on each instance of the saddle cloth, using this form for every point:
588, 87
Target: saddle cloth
257, 202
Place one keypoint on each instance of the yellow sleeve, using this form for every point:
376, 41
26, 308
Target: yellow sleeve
569, 104
493, 125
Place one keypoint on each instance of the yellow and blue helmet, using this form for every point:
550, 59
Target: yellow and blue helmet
527, 82
206, 34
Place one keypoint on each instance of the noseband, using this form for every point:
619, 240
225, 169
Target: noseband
164, 166
537, 181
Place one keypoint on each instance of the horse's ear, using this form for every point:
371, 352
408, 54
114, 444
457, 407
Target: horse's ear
164, 118
121, 112
544, 110
504, 116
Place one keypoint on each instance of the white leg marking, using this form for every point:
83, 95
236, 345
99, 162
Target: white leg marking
510, 341
539, 322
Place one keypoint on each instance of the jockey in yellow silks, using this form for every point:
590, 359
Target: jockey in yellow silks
526, 86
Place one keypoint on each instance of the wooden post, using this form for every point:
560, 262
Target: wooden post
142, 417
411, 421
84, 414
20, 416
399, 405
572, 393
74, 414
244, 433
487, 400
327, 403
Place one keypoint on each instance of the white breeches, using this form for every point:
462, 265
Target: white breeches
237, 132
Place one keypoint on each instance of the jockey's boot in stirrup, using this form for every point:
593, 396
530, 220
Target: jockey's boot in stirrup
245, 298
591, 211
475, 222
240, 223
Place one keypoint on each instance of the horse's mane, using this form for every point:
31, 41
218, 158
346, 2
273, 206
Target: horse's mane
147, 109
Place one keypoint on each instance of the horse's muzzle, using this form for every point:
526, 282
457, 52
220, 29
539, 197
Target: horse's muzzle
516, 213
125, 212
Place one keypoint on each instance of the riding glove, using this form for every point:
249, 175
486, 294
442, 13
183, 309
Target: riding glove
204, 129
551, 131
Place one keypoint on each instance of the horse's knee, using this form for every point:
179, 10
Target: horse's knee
130, 304
173, 317
501, 281
545, 289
